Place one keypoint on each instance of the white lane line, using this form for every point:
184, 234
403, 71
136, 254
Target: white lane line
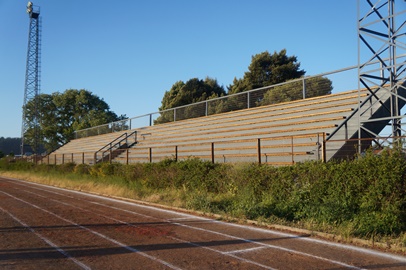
244, 250
96, 233
46, 240
268, 231
170, 237
228, 236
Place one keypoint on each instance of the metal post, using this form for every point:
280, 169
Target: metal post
304, 88
259, 150
150, 155
212, 152
176, 153
83, 157
323, 148
126, 156
293, 160
248, 100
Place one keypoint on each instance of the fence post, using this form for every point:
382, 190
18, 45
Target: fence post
207, 108
126, 156
95, 158
259, 150
111, 153
293, 159
72, 157
83, 157
176, 153
212, 152
150, 119
304, 88
48, 159
63, 158
150, 155
55, 159
248, 99
323, 148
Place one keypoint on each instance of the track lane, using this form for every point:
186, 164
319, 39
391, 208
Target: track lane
165, 233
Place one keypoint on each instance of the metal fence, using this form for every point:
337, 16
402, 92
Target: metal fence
342, 80
277, 151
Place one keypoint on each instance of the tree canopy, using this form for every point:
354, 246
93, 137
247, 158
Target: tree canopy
181, 93
266, 69
63, 113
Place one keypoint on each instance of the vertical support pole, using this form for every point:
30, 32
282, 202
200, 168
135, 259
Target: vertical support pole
55, 159
207, 108
83, 157
110, 155
292, 153
212, 152
150, 155
95, 159
176, 153
304, 88
63, 158
259, 150
150, 119
48, 159
72, 158
248, 99
323, 148
126, 155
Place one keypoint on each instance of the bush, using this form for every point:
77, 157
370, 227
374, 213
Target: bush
366, 196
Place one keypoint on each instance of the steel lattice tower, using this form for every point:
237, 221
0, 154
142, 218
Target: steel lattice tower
382, 65
32, 81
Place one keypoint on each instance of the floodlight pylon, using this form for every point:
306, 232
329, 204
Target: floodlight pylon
32, 82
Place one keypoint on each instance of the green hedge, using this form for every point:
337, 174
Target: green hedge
364, 197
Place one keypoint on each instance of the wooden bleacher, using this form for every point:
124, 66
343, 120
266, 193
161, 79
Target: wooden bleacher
277, 134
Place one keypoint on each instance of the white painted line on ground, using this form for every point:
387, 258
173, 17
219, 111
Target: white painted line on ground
244, 250
269, 231
174, 238
46, 240
96, 233
222, 234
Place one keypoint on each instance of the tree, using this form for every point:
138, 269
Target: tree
266, 69
61, 114
180, 94
316, 86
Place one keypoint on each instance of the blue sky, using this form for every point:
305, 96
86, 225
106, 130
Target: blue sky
130, 52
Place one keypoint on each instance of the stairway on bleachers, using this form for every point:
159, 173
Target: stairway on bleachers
277, 134
288, 132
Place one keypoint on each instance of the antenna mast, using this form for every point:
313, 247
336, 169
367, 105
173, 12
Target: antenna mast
30, 121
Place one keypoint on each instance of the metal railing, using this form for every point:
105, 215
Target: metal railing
292, 149
343, 80
114, 145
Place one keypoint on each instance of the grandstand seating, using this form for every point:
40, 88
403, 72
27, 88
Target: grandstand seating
277, 134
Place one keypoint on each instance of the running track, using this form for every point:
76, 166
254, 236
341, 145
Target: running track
44, 227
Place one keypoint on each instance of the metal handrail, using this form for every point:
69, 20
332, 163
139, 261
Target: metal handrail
114, 145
